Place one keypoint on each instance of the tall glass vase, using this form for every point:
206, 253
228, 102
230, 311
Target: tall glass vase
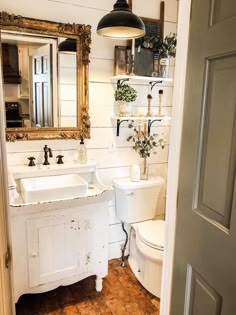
164, 66
144, 169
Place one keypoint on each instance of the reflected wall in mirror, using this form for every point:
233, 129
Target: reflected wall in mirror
45, 90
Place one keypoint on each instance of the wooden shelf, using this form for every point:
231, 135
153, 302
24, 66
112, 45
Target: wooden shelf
152, 81
142, 117
136, 79
150, 120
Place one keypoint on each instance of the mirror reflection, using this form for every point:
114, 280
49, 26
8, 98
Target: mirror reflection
40, 86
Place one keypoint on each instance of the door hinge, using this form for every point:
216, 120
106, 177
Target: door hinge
7, 258
191, 9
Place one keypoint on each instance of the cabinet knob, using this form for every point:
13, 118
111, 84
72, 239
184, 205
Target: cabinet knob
34, 254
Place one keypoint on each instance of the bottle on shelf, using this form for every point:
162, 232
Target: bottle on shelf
82, 152
156, 59
135, 173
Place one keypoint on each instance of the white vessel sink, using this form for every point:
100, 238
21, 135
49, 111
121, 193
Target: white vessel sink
46, 188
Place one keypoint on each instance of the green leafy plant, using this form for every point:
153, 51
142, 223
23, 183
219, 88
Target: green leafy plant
167, 47
151, 42
163, 47
144, 144
125, 93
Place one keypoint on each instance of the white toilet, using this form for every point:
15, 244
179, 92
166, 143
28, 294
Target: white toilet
136, 204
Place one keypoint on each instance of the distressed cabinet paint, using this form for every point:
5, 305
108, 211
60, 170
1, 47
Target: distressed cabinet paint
59, 247
56, 246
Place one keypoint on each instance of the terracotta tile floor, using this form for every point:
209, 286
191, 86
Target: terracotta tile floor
121, 295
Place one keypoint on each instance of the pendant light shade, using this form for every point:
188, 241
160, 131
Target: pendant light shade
67, 46
121, 23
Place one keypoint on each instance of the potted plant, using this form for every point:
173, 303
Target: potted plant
166, 49
163, 50
144, 145
125, 95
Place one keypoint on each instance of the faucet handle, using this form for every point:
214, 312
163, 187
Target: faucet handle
50, 152
60, 161
31, 161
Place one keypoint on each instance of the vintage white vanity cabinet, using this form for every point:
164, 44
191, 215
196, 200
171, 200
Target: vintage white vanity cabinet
62, 241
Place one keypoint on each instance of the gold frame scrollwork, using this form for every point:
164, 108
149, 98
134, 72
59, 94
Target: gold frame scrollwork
80, 32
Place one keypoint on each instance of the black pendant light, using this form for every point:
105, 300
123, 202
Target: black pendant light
67, 46
121, 23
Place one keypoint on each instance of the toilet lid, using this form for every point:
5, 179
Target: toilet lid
126, 183
152, 233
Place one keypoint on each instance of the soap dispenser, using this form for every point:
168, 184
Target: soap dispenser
82, 152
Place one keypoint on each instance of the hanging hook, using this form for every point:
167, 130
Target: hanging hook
121, 81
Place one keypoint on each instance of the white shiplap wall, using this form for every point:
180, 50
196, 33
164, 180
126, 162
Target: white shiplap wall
67, 90
113, 154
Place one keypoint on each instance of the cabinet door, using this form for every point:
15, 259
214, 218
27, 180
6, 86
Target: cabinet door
23, 54
56, 248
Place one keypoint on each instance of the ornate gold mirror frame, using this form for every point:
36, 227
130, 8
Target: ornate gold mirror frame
82, 34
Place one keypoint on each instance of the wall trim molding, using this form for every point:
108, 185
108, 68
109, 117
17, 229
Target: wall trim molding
174, 153
6, 302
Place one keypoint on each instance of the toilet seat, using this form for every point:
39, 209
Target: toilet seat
150, 239
152, 233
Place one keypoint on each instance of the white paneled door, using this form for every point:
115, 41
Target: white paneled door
41, 72
204, 278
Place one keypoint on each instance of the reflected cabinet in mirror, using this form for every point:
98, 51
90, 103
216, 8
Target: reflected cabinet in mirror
45, 78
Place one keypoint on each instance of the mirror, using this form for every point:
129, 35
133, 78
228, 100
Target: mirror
45, 90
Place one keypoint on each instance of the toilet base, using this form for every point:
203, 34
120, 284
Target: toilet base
147, 271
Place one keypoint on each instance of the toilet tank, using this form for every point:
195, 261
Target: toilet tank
136, 201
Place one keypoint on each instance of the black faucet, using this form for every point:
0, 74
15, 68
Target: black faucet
47, 153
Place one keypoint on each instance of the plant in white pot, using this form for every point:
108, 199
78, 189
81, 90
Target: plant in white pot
125, 95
